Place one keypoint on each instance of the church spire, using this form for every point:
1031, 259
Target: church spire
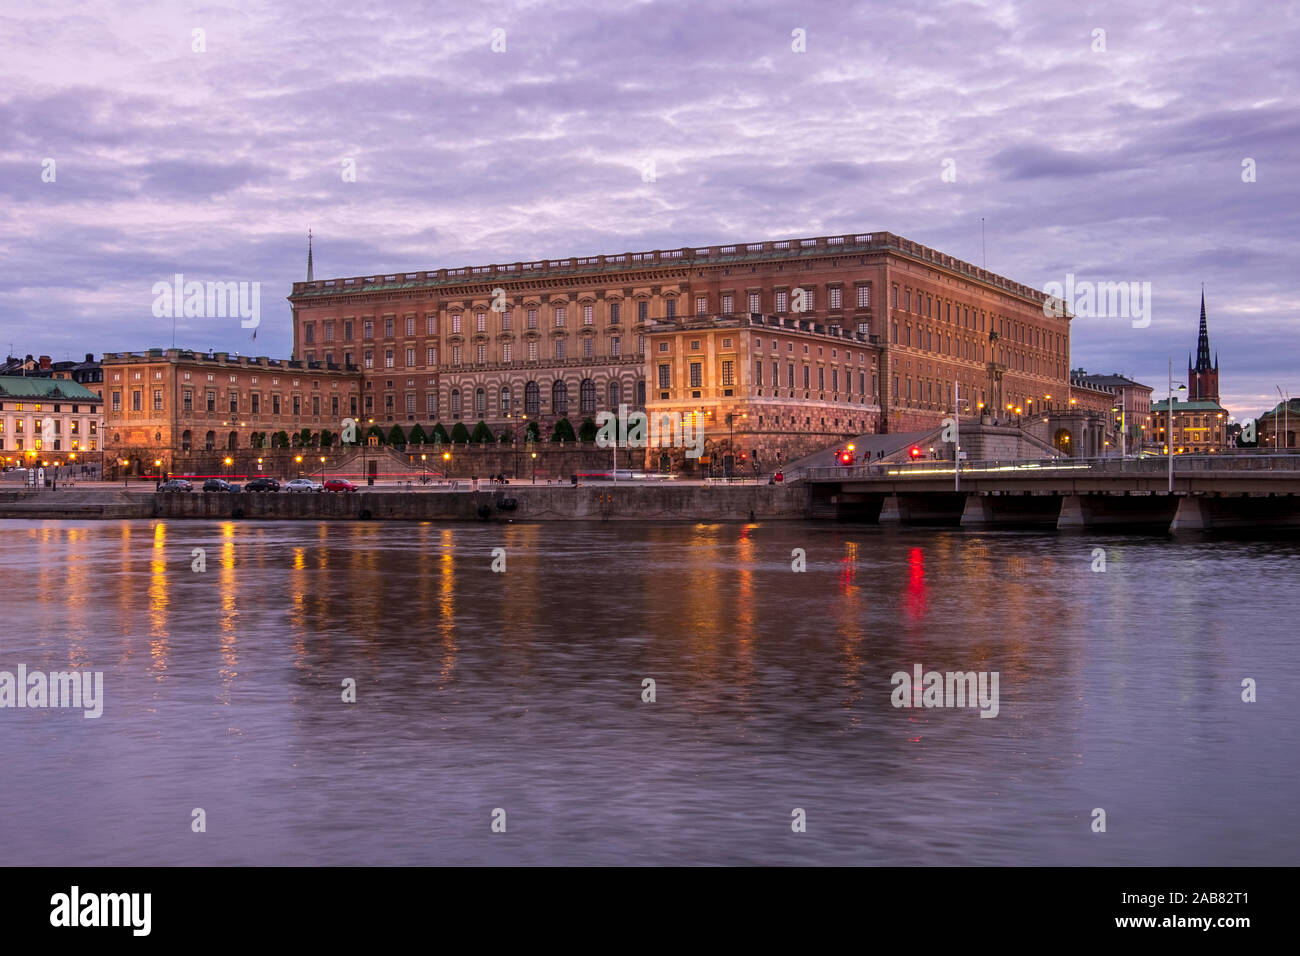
309, 277
1203, 342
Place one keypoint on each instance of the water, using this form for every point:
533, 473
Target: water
522, 691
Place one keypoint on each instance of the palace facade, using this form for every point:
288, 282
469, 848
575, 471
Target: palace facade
868, 332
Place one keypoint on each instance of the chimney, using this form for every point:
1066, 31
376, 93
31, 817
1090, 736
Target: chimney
45, 362
90, 356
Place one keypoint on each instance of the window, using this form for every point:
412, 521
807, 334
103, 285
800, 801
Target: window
297, 405
410, 404
559, 349
615, 394
640, 345
782, 301
807, 374
821, 378
728, 304
135, 400
614, 313
275, 404
455, 355
615, 346
368, 328
586, 348
157, 400
665, 376
560, 398
754, 302
506, 351
480, 353
671, 308
532, 350
480, 402
455, 323
388, 358
431, 404
480, 322
410, 325
347, 331
431, 356
728, 372
701, 305
370, 359
587, 397
410, 357
532, 398
309, 333
188, 401
697, 376
758, 372
835, 298
505, 400
315, 405
532, 318
864, 296
505, 321
559, 316
455, 403
587, 315
642, 310
388, 328
789, 375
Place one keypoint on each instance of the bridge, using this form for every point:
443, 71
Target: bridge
1211, 492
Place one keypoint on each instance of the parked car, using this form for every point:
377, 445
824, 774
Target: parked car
235, 488
262, 484
216, 484
302, 484
339, 484
176, 484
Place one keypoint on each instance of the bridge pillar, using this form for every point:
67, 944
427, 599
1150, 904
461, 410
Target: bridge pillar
1012, 511
1241, 511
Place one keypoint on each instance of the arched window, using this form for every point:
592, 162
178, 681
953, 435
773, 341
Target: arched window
231, 441
640, 393
480, 401
532, 398
587, 397
615, 395
186, 438
210, 441
455, 403
505, 400
560, 398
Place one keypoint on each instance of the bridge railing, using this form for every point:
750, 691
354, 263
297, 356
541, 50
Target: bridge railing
1183, 465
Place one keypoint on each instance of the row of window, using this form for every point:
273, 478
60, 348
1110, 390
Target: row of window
90, 444
479, 353
802, 299
39, 407
75, 426
974, 320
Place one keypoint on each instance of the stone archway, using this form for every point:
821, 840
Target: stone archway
1064, 442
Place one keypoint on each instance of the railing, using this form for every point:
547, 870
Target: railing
1183, 466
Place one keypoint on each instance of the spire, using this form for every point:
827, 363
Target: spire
309, 278
1203, 342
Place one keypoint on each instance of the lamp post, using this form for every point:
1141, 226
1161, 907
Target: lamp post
322, 469
1169, 423
1123, 429
298, 459
534, 467
126, 480
157, 473
424, 469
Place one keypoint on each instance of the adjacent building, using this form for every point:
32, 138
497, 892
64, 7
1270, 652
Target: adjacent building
48, 419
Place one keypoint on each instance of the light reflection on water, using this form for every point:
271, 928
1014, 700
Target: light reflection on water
522, 690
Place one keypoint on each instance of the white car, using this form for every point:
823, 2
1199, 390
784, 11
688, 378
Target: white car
302, 484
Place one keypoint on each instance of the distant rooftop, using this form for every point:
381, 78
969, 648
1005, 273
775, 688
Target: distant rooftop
30, 386
744, 252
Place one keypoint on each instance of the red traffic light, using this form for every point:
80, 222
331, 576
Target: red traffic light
846, 458
915, 451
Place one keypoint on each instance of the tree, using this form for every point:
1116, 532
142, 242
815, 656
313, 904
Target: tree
507, 437
326, 438
564, 431
440, 436
375, 432
460, 434
417, 436
304, 438
587, 431
533, 432
256, 439
280, 440
482, 434
396, 438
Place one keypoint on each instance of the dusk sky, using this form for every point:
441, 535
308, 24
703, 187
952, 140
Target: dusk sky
1115, 165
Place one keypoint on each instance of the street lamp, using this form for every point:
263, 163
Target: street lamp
125, 476
424, 469
322, 469
157, 467
534, 467
298, 459
1169, 423
1123, 429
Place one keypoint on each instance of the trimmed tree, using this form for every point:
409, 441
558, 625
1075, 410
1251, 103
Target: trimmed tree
482, 434
417, 436
587, 431
460, 434
280, 440
533, 432
440, 436
507, 437
304, 438
326, 438
396, 438
563, 431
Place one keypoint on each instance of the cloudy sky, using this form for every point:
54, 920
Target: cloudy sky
1115, 156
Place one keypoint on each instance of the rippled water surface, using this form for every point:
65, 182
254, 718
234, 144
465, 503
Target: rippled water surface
522, 691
